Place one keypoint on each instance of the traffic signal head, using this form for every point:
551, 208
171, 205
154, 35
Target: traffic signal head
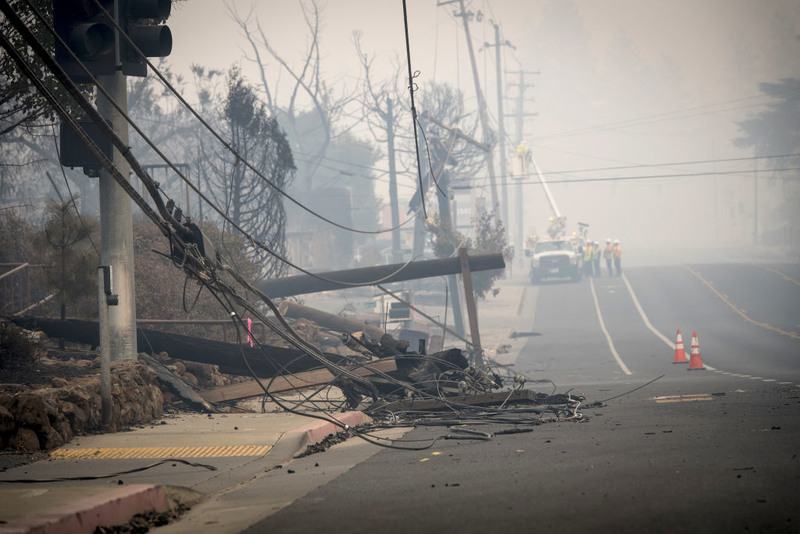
89, 33
140, 20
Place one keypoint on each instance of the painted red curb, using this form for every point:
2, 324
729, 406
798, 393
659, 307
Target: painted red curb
113, 507
319, 430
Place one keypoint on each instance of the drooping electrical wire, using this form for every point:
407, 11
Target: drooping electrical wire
225, 143
152, 187
411, 89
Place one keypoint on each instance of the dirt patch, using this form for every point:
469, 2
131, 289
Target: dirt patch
45, 369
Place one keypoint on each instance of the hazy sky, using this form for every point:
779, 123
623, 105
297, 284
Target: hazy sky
600, 61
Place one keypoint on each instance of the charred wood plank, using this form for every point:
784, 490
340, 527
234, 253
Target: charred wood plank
180, 387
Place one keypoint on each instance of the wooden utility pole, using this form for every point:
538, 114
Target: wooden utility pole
481, 101
397, 253
472, 311
501, 123
520, 134
444, 206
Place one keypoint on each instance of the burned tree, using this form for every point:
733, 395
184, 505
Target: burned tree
65, 243
243, 192
381, 108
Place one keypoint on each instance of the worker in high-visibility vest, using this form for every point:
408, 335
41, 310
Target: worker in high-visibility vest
596, 253
587, 259
618, 257
608, 255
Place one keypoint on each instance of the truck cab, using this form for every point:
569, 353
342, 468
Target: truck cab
556, 258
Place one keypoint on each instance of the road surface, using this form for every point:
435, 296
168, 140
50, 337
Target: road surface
714, 450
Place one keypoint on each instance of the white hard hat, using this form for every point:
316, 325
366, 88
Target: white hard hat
608, 240
616, 241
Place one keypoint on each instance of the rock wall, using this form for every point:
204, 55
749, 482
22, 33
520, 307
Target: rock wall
46, 418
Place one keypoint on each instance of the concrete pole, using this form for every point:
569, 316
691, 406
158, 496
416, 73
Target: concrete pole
116, 229
397, 255
105, 354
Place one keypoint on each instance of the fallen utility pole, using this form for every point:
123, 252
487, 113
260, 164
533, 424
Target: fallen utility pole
382, 274
294, 381
329, 320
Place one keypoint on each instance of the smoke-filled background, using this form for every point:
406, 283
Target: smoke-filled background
613, 84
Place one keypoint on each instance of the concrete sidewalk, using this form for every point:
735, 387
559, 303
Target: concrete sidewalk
237, 446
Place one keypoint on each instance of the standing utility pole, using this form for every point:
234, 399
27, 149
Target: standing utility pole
116, 228
397, 253
520, 129
481, 102
501, 124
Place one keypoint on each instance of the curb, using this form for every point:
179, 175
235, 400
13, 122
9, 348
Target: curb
110, 508
319, 430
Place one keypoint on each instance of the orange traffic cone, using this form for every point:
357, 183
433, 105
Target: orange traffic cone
680, 354
695, 361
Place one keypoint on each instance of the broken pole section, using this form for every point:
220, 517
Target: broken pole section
291, 382
328, 320
382, 274
472, 312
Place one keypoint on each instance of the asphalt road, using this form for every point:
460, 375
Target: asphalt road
695, 451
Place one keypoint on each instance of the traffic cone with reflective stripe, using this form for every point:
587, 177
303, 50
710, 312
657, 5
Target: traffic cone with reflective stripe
680, 354
695, 361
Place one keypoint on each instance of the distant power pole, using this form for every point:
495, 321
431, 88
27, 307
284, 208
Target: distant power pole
397, 253
520, 114
501, 124
481, 101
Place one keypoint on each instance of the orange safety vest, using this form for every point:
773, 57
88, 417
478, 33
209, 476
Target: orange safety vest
618, 252
608, 253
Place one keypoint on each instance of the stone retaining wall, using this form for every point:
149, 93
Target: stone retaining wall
46, 418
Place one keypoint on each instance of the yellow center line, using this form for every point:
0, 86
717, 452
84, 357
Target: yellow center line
740, 311
693, 399
782, 275
682, 396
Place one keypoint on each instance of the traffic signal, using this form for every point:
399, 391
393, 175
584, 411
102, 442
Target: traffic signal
89, 34
75, 153
140, 19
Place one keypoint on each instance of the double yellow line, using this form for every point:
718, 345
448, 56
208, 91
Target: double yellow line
738, 310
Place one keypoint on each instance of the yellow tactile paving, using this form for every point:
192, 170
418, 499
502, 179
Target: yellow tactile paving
160, 452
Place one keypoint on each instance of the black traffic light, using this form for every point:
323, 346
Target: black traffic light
140, 20
90, 35
75, 153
